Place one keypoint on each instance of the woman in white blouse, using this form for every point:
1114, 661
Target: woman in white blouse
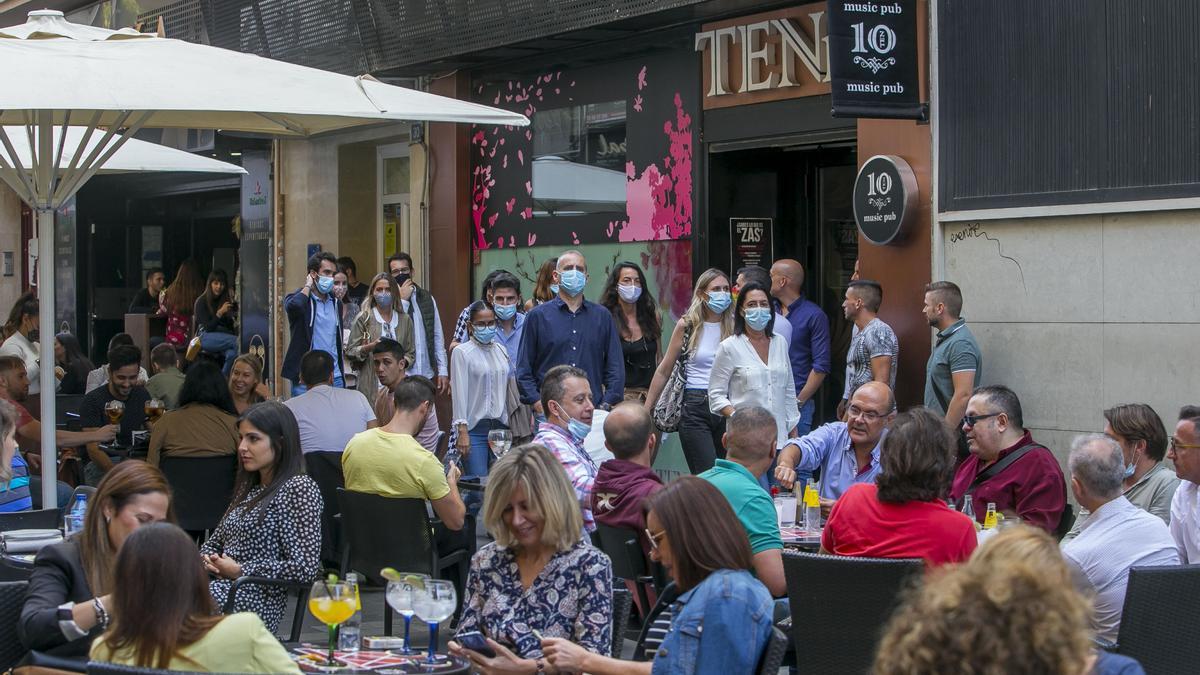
479, 369
752, 366
380, 318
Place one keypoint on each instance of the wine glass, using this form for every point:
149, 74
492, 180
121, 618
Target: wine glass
332, 602
114, 410
400, 594
499, 440
433, 605
154, 409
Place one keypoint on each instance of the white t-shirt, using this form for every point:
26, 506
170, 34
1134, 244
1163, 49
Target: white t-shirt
699, 364
19, 346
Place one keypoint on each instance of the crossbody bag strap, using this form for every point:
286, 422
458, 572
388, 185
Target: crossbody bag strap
1001, 465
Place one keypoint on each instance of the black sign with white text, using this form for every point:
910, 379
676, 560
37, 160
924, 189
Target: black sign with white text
753, 242
873, 59
885, 199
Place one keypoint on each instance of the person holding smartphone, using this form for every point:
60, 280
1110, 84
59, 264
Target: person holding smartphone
314, 320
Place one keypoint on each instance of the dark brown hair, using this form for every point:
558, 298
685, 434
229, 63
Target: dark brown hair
949, 294
1138, 422
702, 531
917, 459
160, 596
121, 484
180, 297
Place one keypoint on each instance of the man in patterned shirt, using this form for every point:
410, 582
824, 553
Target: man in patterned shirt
874, 348
566, 396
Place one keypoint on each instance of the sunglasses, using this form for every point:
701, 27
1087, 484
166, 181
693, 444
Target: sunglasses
972, 420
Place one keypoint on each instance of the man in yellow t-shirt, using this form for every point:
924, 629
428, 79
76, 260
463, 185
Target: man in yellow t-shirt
389, 461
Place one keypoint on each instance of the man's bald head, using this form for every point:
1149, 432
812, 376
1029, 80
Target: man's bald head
877, 395
792, 271
628, 430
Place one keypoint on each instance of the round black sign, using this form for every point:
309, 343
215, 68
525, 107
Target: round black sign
885, 199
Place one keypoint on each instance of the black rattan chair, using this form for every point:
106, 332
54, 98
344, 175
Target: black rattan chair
300, 588
855, 597
201, 488
12, 599
628, 560
44, 519
622, 602
772, 657
1159, 609
326, 469
398, 533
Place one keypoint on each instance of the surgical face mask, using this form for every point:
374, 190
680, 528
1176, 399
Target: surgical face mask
719, 301
1130, 469
325, 284
485, 335
554, 289
572, 282
505, 312
758, 317
630, 293
339, 291
577, 429
383, 300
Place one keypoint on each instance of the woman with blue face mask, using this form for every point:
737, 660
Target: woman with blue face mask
707, 322
625, 296
752, 366
380, 317
480, 372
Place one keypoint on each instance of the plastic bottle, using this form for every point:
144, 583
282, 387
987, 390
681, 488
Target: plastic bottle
968, 509
74, 519
812, 510
350, 631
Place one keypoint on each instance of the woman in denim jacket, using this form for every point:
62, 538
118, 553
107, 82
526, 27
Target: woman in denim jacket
722, 620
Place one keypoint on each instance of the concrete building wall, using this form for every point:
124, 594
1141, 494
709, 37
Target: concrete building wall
1080, 313
10, 240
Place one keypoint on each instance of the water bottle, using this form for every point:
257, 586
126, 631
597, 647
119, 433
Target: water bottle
812, 510
350, 632
968, 509
74, 519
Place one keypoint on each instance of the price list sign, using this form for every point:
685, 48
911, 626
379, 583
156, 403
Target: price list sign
873, 60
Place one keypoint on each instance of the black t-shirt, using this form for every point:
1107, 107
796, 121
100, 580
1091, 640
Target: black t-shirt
356, 294
143, 303
91, 411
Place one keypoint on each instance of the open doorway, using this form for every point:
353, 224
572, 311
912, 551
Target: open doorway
798, 199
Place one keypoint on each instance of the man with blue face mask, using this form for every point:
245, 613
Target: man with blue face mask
566, 396
570, 330
315, 321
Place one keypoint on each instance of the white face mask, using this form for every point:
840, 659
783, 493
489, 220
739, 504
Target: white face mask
630, 293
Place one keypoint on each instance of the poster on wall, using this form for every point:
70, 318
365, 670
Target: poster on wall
753, 242
873, 60
65, 265
254, 255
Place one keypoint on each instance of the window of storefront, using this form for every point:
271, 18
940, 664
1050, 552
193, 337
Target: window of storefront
393, 169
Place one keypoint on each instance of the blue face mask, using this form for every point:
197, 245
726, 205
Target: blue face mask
325, 284
505, 312
554, 289
485, 335
758, 317
383, 300
719, 301
577, 429
572, 282
1130, 469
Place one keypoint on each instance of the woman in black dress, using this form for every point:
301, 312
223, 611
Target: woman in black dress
273, 525
627, 297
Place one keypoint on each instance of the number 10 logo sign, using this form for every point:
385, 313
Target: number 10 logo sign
873, 59
885, 199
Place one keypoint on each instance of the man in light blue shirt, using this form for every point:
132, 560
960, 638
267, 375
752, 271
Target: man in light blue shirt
506, 298
1116, 536
846, 452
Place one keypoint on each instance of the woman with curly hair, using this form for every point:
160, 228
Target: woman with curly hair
1011, 609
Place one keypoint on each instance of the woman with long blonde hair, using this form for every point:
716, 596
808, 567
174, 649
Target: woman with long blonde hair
707, 322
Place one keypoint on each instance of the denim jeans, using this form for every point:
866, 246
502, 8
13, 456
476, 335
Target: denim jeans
700, 432
223, 343
477, 462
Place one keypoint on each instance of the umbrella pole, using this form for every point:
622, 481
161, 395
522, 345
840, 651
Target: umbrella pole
45, 238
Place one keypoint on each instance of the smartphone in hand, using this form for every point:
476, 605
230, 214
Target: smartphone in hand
475, 641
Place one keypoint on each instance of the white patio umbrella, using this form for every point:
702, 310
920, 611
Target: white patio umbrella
133, 156
55, 73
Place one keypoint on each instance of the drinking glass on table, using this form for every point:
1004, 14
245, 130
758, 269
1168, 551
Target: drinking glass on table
400, 594
154, 409
434, 605
499, 440
332, 602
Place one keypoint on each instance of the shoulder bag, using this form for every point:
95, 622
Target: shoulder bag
669, 408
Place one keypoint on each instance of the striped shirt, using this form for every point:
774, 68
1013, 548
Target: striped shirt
15, 495
580, 468
1116, 537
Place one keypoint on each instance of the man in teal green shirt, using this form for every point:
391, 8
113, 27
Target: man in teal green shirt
750, 446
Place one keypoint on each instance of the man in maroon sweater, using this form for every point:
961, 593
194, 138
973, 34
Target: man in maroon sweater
623, 483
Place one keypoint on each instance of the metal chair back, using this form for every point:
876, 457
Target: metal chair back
856, 597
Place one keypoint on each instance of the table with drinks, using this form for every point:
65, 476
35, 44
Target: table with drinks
802, 530
114, 411
337, 604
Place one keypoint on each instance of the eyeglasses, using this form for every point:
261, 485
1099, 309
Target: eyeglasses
972, 420
485, 324
653, 537
1176, 445
868, 415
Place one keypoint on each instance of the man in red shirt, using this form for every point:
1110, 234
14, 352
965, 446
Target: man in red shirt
624, 482
1006, 467
14, 388
901, 514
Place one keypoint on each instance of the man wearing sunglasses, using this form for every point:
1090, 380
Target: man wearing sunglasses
1006, 467
1183, 450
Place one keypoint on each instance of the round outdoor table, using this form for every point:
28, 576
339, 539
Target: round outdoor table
806, 544
447, 664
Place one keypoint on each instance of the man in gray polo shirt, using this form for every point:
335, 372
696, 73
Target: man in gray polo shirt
955, 367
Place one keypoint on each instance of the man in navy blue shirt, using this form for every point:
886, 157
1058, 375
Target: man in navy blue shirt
572, 331
810, 337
